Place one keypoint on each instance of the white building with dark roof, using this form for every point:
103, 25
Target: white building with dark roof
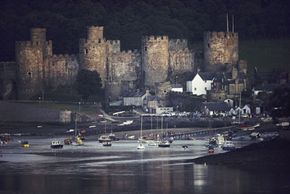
200, 84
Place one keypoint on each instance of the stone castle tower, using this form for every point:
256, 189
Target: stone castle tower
95, 50
220, 49
155, 59
31, 57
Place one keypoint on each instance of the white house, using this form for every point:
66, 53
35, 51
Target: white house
246, 110
200, 84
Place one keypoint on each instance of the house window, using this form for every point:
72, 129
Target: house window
86, 51
205, 88
145, 48
194, 89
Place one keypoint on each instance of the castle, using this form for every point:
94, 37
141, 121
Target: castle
36, 67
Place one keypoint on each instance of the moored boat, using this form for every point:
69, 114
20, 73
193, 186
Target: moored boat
228, 145
140, 146
56, 145
164, 144
104, 138
107, 143
25, 144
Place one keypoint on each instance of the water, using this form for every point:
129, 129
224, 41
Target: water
124, 169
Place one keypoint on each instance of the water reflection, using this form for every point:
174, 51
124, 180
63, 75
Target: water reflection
162, 177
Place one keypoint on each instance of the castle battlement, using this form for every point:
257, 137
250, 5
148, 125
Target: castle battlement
64, 56
23, 44
156, 38
113, 42
96, 41
178, 41
214, 35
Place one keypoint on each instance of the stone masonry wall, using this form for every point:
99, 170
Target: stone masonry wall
62, 70
30, 58
155, 59
220, 48
181, 59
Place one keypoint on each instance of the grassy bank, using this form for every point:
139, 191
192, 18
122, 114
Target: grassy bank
267, 156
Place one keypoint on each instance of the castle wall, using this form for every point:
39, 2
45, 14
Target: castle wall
155, 59
31, 60
181, 61
93, 57
123, 71
220, 48
61, 70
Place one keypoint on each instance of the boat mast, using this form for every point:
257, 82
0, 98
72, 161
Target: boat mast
141, 127
240, 107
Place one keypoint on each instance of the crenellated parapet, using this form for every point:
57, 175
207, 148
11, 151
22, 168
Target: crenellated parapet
113, 46
178, 44
155, 38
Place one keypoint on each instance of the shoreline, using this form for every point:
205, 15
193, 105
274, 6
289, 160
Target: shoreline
269, 156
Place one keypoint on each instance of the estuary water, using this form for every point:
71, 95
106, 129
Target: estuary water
122, 168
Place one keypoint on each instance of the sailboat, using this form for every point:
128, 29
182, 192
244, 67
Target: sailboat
78, 138
164, 143
105, 139
141, 144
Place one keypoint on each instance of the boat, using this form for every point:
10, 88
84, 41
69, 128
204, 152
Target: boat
210, 149
228, 145
79, 141
152, 143
104, 138
141, 143
67, 141
140, 146
56, 145
220, 139
107, 143
164, 144
212, 142
25, 144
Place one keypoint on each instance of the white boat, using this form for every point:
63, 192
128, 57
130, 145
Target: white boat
141, 146
152, 143
220, 139
141, 143
56, 145
164, 144
107, 143
104, 138
228, 145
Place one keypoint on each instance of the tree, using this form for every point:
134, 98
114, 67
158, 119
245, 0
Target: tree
89, 84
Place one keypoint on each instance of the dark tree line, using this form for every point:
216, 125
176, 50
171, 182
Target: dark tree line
128, 20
